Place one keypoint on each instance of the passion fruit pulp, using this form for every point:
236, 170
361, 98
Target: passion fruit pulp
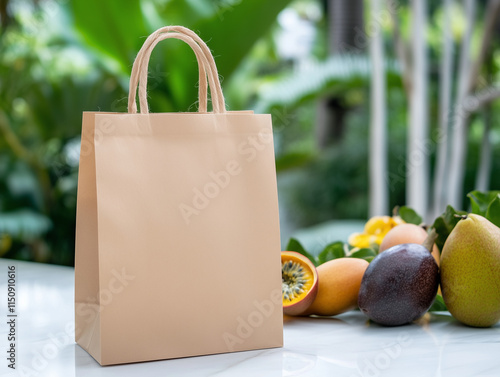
299, 282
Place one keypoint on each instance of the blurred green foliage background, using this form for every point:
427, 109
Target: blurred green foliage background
61, 57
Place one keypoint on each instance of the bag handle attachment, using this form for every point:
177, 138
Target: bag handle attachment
206, 66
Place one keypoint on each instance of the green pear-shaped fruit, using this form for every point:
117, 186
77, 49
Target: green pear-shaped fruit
470, 272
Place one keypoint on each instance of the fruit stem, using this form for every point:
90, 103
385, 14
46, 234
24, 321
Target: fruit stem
463, 217
429, 241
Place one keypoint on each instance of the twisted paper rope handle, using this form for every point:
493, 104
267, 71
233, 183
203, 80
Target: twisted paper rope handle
206, 65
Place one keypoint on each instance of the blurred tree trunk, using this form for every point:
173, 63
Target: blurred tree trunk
5, 17
401, 50
486, 155
445, 92
461, 115
417, 160
469, 76
345, 25
485, 158
379, 195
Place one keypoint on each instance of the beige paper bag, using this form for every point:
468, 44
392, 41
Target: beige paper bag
177, 235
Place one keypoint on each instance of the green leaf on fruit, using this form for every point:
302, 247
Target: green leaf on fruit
409, 216
295, 245
480, 201
438, 305
493, 211
366, 254
445, 223
331, 251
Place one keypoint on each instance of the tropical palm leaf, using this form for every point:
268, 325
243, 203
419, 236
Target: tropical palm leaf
343, 71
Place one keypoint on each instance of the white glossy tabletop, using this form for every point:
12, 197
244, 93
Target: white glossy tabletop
343, 346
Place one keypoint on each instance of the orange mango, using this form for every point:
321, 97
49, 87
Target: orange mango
339, 281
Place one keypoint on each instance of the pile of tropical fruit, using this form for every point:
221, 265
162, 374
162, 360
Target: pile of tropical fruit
398, 269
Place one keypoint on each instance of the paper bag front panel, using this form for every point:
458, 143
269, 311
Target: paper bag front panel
189, 247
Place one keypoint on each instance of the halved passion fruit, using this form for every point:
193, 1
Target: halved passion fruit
299, 282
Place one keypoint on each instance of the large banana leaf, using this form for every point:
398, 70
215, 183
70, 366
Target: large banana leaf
113, 28
117, 28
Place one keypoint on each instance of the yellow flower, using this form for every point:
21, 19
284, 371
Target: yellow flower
360, 240
375, 230
379, 225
